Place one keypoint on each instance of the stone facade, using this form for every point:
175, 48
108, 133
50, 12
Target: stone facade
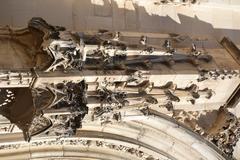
111, 85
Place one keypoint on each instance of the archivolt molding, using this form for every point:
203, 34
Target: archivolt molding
152, 138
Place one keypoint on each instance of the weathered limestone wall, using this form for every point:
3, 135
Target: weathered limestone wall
214, 19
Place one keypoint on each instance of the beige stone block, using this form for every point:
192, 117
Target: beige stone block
186, 18
23, 5
202, 24
55, 12
5, 13
168, 18
96, 23
131, 19
80, 11
46, 151
21, 18
118, 14
22, 11
102, 8
149, 20
22, 153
